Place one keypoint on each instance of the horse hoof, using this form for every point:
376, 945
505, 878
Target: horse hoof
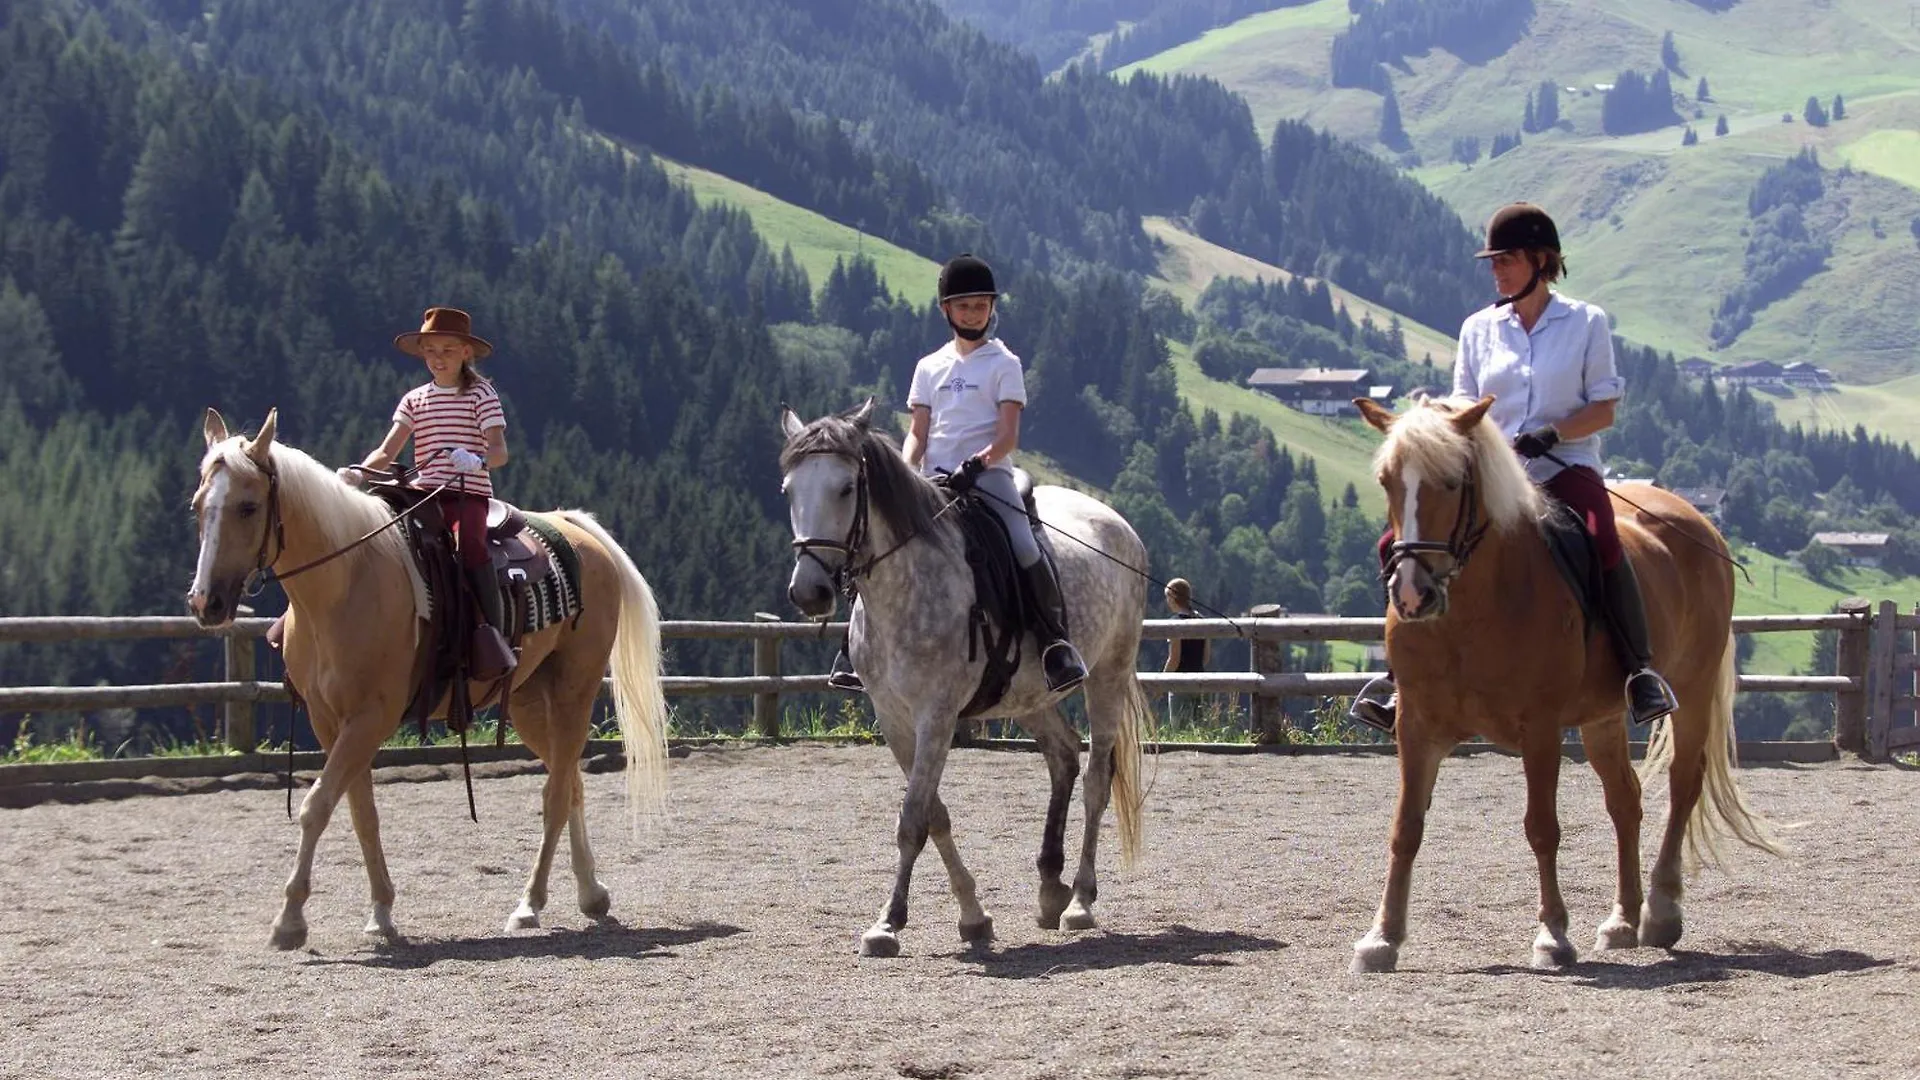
289, 937
523, 919
881, 943
1616, 933
380, 925
1661, 923
1550, 955
1373, 956
596, 904
1078, 917
978, 933
1054, 898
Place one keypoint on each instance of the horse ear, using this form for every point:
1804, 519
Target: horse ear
1374, 413
262, 444
862, 415
1469, 418
790, 424
214, 427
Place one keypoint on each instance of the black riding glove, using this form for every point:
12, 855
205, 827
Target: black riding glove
962, 479
1532, 444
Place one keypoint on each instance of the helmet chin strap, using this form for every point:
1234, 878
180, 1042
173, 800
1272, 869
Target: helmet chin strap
1532, 284
965, 334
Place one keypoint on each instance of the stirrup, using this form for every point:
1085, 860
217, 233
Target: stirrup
1063, 665
843, 677
1376, 712
1649, 705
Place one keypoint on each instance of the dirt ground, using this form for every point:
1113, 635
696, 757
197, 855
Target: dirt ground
133, 935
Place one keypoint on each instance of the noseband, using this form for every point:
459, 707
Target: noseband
1468, 530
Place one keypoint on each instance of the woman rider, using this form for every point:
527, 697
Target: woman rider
1548, 361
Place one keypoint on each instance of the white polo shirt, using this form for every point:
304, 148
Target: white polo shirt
1540, 376
964, 395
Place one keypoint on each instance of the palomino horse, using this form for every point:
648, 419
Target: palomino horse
862, 514
1485, 638
350, 645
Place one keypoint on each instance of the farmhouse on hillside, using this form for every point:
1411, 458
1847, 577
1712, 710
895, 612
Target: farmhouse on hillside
1320, 391
1859, 549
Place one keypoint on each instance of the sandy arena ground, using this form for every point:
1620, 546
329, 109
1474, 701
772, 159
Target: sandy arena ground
133, 935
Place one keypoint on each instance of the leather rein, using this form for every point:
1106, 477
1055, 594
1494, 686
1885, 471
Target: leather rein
846, 576
275, 536
1468, 531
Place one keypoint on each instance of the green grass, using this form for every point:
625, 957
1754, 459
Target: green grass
1652, 229
1342, 449
1780, 588
1892, 154
816, 241
1189, 264
1889, 408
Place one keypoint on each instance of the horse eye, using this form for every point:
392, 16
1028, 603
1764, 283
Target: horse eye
248, 509
1453, 485
847, 491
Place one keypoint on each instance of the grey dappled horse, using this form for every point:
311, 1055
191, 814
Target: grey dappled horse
861, 513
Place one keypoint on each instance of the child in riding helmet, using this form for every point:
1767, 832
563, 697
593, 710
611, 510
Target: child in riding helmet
459, 432
966, 398
1548, 361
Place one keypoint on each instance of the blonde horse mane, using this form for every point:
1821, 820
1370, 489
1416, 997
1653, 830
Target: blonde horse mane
1424, 436
339, 513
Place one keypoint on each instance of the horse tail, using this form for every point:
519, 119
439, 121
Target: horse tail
1722, 809
1129, 788
638, 700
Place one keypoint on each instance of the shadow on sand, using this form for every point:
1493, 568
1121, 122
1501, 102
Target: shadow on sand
1682, 967
1181, 945
607, 940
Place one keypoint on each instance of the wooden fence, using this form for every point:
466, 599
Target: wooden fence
1873, 684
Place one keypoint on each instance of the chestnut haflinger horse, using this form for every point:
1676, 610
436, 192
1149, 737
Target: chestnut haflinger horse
351, 633
1485, 637
862, 515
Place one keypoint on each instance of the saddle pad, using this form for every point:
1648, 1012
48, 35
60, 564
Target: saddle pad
557, 596
999, 602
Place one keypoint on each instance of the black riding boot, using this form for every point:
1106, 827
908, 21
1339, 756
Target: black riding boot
485, 587
1377, 704
842, 676
1648, 696
1058, 658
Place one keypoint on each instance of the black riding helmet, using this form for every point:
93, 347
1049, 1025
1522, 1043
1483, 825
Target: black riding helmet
1520, 227
966, 274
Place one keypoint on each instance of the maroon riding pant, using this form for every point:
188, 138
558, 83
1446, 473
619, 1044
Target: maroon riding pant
467, 516
1587, 494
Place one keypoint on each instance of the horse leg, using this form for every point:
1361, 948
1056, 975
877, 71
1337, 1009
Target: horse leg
1663, 921
1608, 754
1061, 747
366, 826
1540, 758
1379, 950
976, 926
349, 759
1096, 789
573, 722
557, 797
922, 756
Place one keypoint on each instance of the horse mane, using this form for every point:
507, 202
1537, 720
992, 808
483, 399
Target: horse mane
339, 513
1424, 436
907, 502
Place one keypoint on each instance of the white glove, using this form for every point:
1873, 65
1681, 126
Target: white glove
350, 476
465, 460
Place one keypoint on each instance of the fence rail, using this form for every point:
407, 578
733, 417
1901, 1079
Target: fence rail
1874, 681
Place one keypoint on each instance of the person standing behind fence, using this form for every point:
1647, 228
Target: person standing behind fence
1184, 655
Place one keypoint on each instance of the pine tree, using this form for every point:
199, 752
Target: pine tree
1839, 108
1392, 134
1670, 56
1814, 113
1690, 137
1720, 125
1546, 111
1527, 123
1701, 93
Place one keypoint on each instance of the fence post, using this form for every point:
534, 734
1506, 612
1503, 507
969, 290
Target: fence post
1268, 657
1850, 658
1880, 679
766, 663
239, 714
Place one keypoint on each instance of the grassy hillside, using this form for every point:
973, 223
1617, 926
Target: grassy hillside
1887, 407
816, 241
1779, 588
1188, 264
1653, 229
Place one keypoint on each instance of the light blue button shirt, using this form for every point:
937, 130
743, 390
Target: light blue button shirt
1540, 377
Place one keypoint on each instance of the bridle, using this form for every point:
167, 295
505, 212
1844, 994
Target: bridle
275, 536
1468, 530
846, 576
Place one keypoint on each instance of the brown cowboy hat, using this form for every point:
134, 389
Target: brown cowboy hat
451, 322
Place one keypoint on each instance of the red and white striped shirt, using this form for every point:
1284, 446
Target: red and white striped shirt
444, 419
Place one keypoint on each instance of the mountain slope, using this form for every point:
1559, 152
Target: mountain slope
1654, 229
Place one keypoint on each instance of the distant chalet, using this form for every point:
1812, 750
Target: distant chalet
1859, 548
1320, 391
1767, 373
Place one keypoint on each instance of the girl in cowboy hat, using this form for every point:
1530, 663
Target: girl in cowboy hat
459, 432
966, 398
1548, 361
